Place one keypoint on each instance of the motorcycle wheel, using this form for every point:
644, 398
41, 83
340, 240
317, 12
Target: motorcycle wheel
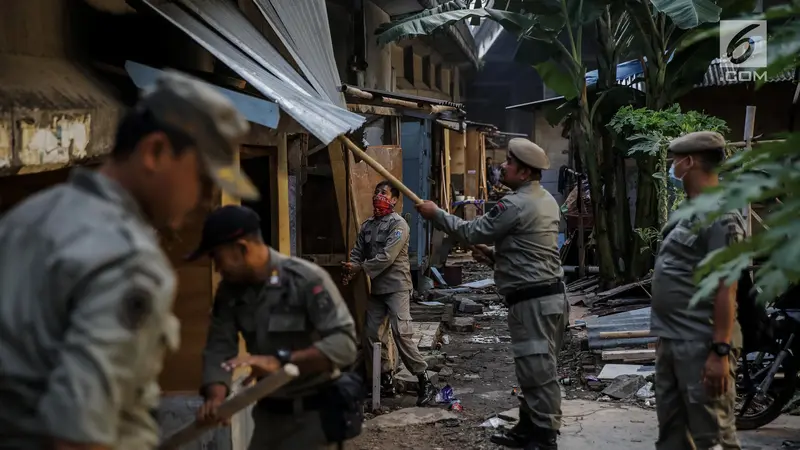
780, 392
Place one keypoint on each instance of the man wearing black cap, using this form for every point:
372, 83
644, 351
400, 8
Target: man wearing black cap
288, 311
527, 271
698, 346
86, 292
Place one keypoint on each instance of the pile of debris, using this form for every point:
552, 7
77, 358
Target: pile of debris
620, 299
456, 309
616, 355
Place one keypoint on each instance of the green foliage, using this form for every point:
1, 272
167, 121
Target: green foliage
768, 174
761, 175
647, 133
643, 130
651, 238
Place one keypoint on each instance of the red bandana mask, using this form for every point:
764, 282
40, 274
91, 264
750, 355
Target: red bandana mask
381, 206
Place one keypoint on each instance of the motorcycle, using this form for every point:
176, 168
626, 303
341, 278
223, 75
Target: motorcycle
766, 376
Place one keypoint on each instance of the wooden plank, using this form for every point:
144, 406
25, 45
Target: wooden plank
629, 355
446, 181
473, 164
361, 284
364, 178
624, 334
282, 207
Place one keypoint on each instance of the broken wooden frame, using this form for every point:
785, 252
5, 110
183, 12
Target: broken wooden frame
233, 405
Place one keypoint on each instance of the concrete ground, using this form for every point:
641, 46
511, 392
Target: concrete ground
613, 426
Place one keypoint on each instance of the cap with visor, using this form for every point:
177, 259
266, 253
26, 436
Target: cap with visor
199, 111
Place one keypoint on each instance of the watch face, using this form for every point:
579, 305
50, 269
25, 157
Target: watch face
722, 349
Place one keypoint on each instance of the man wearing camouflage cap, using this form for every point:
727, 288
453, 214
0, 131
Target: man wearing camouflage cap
86, 292
698, 346
523, 227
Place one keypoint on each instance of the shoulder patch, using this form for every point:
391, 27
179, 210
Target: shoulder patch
397, 234
498, 209
136, 307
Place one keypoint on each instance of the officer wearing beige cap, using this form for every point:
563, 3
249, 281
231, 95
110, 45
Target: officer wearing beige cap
86, 292
698, 346
523, 227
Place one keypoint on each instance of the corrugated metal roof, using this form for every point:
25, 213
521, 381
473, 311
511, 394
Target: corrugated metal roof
303, 28
256, 110
632, 73
317, 114
225, 18
638, 319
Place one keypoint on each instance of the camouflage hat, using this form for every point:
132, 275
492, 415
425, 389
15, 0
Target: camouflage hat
212, 122
697, 142
529, 153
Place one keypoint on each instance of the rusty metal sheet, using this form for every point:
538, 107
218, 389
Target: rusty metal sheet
363, 178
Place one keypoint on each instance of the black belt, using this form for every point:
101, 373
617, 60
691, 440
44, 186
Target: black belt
534, 292
288, 405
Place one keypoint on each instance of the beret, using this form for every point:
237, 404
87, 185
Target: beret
697, 142
529, 153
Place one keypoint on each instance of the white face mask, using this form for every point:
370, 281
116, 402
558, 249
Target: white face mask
672, 169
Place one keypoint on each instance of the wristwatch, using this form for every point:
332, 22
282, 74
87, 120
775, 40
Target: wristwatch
284, 356
721, 348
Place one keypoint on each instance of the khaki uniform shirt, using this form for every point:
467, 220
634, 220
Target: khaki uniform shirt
673, 279
382, 251
86, 296
524, 228
298, 307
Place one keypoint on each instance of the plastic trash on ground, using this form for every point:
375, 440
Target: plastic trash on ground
494, 422
445, 395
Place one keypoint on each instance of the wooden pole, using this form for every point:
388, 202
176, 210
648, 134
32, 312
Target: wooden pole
749, 129
376, 376
233, 405
389, 177
381, 170
625, 334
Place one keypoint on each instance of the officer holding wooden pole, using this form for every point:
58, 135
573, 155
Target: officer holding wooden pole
523, 227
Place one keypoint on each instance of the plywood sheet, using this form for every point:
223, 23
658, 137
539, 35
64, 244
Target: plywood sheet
363, 178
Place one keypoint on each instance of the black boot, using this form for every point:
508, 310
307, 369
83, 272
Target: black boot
387, 385
518, 436
426, 393
543, 439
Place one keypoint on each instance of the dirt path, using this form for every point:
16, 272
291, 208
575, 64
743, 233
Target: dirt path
483, 379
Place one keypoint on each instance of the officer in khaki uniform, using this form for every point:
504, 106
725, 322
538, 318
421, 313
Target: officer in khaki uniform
698, 347
288, 311
527, 271
85, 290
381, 251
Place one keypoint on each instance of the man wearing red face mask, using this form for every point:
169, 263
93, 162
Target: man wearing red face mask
381, 251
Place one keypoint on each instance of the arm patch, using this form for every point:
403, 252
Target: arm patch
498, 209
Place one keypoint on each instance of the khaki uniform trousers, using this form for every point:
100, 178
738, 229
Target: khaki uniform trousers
688, 418
397, 306
537, 328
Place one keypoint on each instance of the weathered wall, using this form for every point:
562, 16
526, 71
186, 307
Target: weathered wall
53, 112
549, 138
379, 58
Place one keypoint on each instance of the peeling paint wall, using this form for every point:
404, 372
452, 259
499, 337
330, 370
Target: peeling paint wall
56, 139
5, 141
